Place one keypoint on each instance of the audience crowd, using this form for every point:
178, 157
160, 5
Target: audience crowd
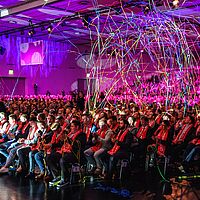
51, 134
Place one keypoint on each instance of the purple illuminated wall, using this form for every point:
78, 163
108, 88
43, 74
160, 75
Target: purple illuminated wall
58, 72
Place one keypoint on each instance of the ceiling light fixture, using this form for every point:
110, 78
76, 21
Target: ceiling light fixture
4, 12
50, 28
31, 32
175, 3
146, 10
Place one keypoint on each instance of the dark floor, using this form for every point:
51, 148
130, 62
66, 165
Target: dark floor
140, 186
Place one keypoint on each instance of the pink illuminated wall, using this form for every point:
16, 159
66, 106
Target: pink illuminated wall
59, 70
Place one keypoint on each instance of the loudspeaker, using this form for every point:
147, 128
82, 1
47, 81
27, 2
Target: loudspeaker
2, 50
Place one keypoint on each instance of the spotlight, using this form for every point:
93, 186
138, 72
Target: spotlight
174, 3
31, 32
50, 29
10, 71
146, 10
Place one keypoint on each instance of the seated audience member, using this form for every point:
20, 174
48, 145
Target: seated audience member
113, 124
9, 135
152, 123
184, 136
3, 124
28, 144
9, 148
136, 116
36, 155
161, 141
87, 126
92, 154
121, 149
179, 122
12, 151
141, 140
192, 151
158, 118
71, 152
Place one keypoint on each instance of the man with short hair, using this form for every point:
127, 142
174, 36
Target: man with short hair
121, 149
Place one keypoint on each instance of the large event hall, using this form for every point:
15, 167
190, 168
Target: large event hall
99, 99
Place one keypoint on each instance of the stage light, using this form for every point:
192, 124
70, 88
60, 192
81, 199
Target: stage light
10, 71
88, 75
31, 32
50, 29
175, 3
146, 10
4, 12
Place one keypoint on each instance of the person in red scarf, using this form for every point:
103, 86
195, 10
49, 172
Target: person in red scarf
36, 155
3, 123
11, 129
8, 149
87, 126
20, 142
136, 116
113, 124
27, 145
161, 140
179, 123
121, 148
141, 140
71, 152
184, 136
152, 123
100, 139
192, 149
158, 118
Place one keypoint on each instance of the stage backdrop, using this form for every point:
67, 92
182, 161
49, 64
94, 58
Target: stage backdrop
31, 53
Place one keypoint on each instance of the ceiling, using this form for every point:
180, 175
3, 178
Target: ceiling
81, 21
